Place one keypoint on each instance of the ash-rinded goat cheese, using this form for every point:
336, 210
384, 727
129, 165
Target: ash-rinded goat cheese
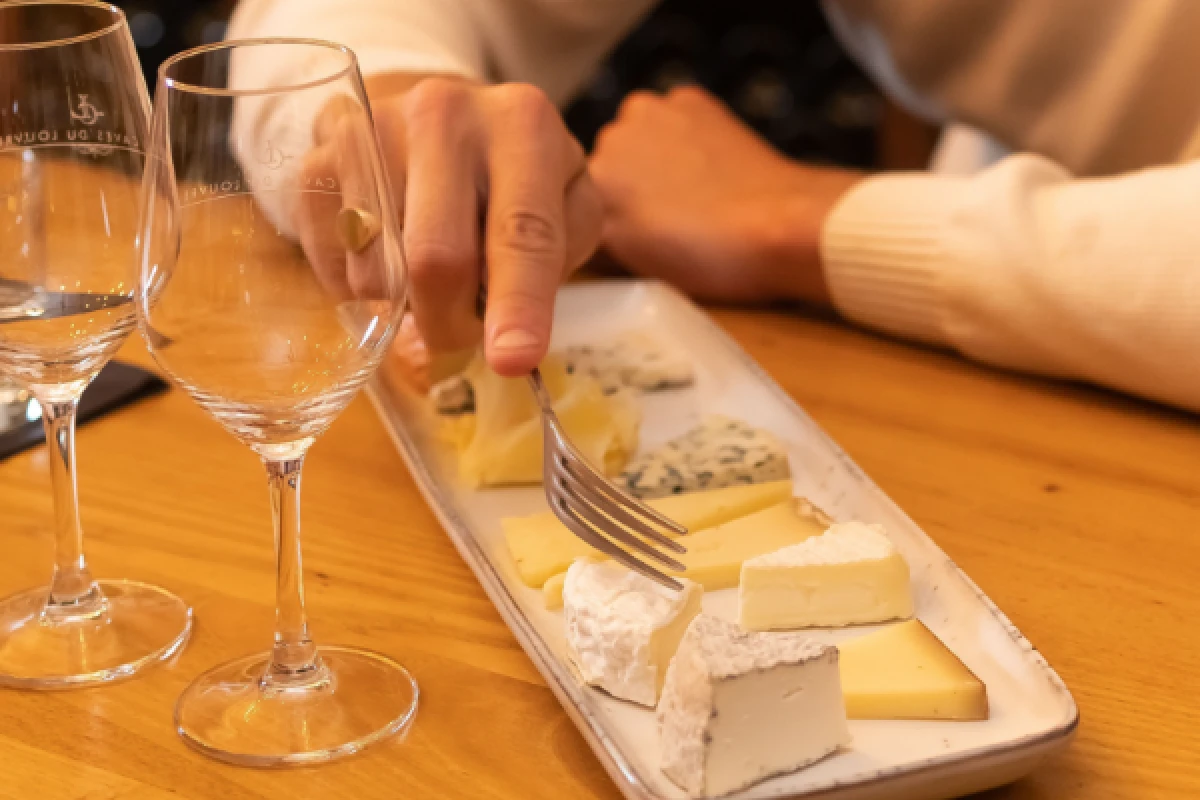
719, 452
623, 628
739, 707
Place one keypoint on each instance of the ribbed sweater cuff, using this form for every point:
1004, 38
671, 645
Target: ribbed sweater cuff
884, 252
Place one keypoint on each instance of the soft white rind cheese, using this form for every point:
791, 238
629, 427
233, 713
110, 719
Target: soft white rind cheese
739, 707
623, 629
719, 452
850, 574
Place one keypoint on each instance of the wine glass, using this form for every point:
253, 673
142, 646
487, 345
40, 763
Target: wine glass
272, 283
73, 120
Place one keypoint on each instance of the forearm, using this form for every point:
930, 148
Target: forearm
1024, 267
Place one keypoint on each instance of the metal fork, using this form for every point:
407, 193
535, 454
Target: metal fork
584, 500
594, 509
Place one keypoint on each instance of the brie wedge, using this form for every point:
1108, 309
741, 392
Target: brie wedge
623, 628
740, 707
851, 574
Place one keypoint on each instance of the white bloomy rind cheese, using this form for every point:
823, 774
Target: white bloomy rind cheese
623, 628
739, 707
851, 574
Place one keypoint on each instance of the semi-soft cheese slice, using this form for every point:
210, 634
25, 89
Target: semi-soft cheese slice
904, 671
739, 707
714, 557
623, 628
850, 574
541, 546
505, 432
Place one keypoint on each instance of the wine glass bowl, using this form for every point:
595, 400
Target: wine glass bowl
66, 295
252, 298
73, 122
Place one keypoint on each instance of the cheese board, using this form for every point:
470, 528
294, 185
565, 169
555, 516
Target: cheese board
1027, 711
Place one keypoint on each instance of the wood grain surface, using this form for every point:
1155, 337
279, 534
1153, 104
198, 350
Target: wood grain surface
1075, 510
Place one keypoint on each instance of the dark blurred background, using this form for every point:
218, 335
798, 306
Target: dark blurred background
773, 61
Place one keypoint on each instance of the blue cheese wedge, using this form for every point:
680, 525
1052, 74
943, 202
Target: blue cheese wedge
623, 628
635, 360
632, 361
739, 707
720, 452
453, 396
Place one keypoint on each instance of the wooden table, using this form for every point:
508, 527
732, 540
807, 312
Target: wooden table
1076, 510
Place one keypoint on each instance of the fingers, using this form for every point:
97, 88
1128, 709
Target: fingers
314, 212
441, 220
367, 256
526, 248
340, 175
584, 214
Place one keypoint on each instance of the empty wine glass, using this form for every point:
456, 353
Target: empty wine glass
73, 120
272, 283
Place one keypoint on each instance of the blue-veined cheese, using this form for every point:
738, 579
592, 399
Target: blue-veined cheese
634, 360
719, 452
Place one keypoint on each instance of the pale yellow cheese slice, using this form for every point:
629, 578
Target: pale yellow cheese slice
715, 556
541, 546
905, 672
552, 591
502, 442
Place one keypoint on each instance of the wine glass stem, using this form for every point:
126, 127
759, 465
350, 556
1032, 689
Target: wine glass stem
72, 591
294, 659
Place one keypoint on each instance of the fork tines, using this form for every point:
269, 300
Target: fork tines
603, 515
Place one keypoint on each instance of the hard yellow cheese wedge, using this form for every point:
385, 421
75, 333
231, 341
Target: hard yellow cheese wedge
541, 546
905, 672
715, 556
552, 591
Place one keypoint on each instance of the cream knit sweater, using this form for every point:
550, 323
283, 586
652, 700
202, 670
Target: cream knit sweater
1077, 257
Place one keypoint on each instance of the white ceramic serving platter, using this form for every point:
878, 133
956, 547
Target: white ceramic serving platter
1032, 713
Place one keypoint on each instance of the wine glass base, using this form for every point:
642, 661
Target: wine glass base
228, 715
139, 626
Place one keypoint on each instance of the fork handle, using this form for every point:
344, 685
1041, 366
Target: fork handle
539, 391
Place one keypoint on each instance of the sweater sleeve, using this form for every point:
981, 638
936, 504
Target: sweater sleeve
549, 43
1024, 267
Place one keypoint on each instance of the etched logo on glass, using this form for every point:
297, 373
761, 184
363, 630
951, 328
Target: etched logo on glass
86, 113
271, 156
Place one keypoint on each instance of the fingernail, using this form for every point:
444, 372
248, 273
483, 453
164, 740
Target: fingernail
514, 339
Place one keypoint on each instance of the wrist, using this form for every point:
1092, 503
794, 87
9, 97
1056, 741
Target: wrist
791, 243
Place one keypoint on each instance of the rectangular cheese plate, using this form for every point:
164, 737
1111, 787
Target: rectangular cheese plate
1031, 711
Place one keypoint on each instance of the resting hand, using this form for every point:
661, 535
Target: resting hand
694, 197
